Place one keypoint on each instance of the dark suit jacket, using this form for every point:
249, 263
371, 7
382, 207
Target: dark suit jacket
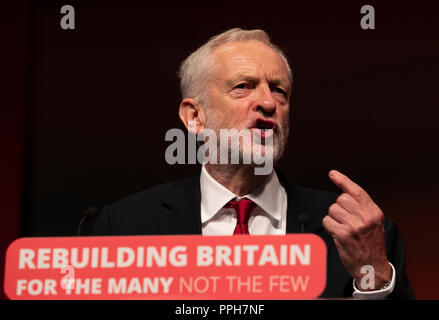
174, 208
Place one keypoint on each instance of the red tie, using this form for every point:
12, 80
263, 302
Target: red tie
243, 210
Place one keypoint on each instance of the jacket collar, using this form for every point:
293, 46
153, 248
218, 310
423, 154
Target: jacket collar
181, 208
182, 214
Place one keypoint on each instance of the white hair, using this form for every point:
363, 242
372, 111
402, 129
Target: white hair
194, 71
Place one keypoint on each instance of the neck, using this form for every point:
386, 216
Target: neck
239, 179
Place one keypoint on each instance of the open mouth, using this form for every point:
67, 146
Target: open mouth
265, 124
265, 127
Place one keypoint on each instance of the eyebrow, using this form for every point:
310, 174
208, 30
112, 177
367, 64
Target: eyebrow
250, 78
240, 77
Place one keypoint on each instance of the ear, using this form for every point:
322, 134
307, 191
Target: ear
190, 110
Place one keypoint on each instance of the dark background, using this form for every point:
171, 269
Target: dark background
85, 111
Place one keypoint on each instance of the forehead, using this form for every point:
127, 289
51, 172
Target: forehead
249, 58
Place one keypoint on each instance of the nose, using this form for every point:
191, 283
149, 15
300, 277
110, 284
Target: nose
266, 103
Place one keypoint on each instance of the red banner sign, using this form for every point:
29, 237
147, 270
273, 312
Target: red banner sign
167, 267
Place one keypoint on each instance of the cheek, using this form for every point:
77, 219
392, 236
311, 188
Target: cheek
243, 116
284, 116
231, 113
237, 115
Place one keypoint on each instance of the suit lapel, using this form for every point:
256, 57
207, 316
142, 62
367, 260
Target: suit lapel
181, 208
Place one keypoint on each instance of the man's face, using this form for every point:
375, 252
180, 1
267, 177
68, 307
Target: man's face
250, 89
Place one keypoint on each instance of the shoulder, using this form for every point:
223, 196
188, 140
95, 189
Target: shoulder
139, 213
156, 194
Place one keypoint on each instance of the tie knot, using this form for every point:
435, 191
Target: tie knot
243, 208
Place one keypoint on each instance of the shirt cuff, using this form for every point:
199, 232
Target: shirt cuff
375, 294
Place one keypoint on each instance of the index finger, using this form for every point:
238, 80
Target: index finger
350, 187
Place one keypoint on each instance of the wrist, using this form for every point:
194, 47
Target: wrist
382, 277
380, 293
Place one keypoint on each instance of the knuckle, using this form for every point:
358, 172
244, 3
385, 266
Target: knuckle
356, 230
378, 221
332, 207
325, 221
357, 193
367, 222
377, 218
379, 215
346, 234
343, 197
327, 225
381, 218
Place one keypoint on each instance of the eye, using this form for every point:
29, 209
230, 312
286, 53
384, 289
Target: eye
280, 90
244, 85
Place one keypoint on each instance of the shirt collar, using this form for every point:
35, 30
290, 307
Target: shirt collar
269, 196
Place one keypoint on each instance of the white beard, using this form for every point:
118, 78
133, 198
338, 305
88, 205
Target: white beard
249, 147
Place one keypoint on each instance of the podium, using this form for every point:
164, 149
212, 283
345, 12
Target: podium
188, 267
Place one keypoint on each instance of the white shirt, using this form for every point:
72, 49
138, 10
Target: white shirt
268, 218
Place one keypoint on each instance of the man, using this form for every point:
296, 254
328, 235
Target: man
240, 80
